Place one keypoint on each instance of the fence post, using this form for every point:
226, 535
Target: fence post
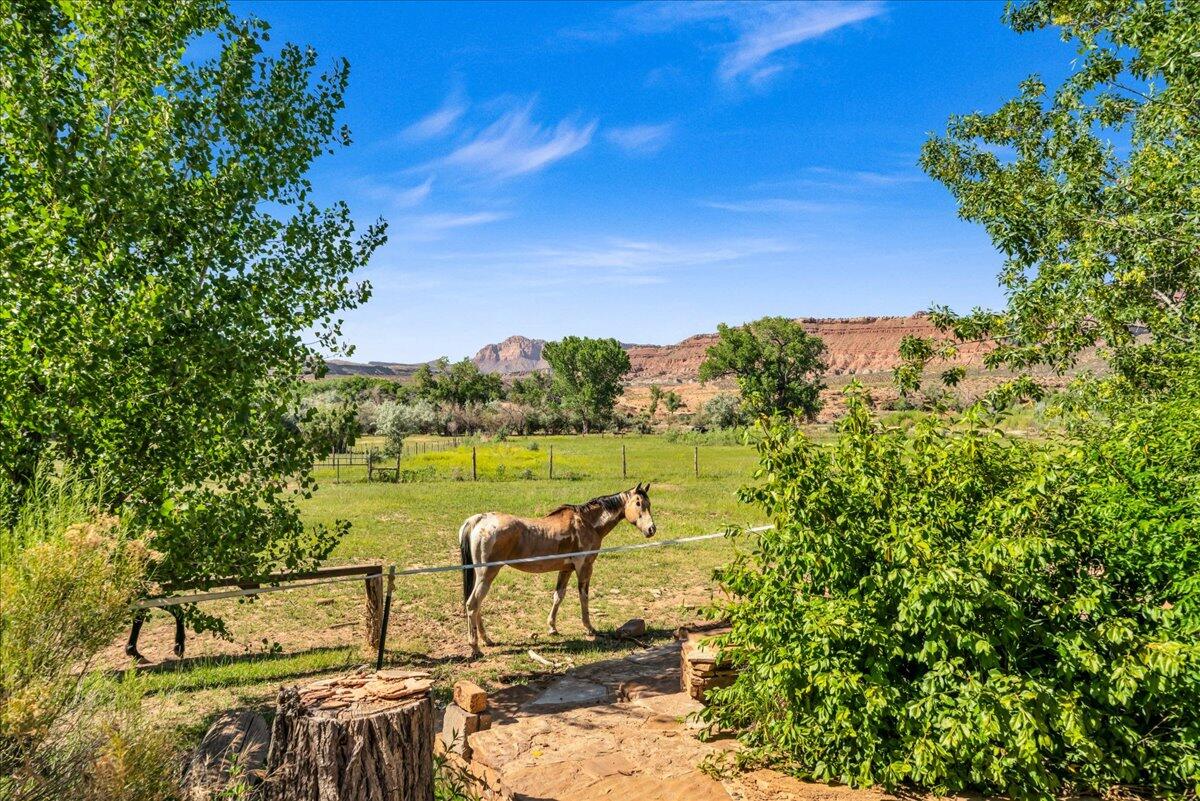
387, 609
551, 461
474, 474
624, 472
337, 470
397, 467
696, 459
370, 464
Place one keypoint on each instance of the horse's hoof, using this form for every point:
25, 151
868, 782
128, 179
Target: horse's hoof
489, 643
553, 632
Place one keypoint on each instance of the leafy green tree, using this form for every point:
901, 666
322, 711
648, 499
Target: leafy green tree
166, 277
656, 394
333, 428
956, 608
587, 374
778, 366
723, 411
1089, 191
457, 384
672, 401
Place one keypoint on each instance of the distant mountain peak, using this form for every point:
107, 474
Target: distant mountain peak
515, 355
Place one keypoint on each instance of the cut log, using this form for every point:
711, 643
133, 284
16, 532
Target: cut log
363, 737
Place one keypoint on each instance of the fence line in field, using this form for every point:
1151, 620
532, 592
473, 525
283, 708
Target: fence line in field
380, 632
177, 600
390, 468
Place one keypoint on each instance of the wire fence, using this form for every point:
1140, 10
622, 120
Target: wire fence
562, 458
391, 573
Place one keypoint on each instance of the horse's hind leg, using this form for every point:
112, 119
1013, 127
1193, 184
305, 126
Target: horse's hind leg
560, 590
180, 634
131, 649
483, 583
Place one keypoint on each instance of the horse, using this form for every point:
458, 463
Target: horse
494, 536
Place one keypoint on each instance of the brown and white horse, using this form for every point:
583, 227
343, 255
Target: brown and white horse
497, 537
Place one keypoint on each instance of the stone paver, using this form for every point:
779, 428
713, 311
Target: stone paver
613, 730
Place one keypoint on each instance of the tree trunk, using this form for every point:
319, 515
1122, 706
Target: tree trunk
364, 737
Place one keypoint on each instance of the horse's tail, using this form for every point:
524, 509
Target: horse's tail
464, 550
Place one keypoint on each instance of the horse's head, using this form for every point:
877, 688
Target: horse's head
637, 510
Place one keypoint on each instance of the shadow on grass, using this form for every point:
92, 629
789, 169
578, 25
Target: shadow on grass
209, 672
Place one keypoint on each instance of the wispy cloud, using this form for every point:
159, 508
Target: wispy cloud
441, 225
769, 205
758, 33
641, 139
439, 122
413, 196
448, 221
843, 180
516, 145
614, 260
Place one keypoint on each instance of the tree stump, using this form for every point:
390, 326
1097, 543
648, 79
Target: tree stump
363, 737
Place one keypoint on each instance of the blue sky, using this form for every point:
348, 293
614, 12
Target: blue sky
648, 171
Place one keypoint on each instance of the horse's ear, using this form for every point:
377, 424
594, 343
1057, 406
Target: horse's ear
647, 489
638, 488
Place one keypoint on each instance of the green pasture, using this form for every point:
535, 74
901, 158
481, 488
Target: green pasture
287, 636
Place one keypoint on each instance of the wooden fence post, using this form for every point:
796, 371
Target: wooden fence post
624, 472
337, 470
474, 474
551, 461
696, 459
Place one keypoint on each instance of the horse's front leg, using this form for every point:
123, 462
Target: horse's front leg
583, 575
560, 590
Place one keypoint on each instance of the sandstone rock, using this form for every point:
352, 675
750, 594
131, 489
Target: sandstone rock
470, 696
457, 725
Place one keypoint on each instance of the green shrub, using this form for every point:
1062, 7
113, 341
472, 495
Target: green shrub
957, 609
67, 577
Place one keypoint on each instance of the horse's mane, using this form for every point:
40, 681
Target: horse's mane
606, 502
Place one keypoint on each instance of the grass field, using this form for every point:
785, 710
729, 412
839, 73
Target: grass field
284, 637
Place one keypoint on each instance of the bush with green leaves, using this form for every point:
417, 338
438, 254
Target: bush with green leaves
958, 609
395, 421
723, 411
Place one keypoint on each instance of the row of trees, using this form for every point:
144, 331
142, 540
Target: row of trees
777, 365
962, 610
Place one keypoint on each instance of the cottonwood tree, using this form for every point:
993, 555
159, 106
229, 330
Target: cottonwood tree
458, 384
166, 275
777, 364
586, 373
1089, 191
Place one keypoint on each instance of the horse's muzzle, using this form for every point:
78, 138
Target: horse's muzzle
650, 531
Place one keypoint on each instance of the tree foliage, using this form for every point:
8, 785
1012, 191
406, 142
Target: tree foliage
166, 276
1089, 190
965, 610
586, 373
778, 366
458, 384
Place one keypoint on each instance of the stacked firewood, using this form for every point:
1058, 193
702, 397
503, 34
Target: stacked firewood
701, 665
365, 691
